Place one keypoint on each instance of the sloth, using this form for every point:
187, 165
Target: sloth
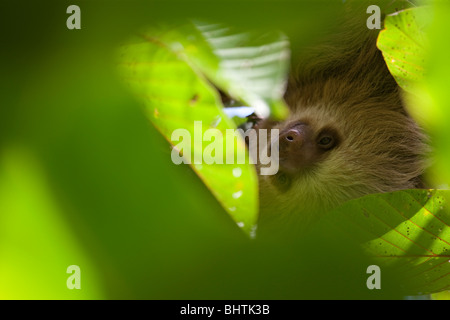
348, 135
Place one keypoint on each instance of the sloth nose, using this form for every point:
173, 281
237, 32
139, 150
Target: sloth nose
296, 148
292, 138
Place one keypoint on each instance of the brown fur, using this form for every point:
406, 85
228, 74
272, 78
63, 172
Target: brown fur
346, 85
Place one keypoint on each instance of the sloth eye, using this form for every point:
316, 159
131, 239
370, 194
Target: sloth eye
326, 142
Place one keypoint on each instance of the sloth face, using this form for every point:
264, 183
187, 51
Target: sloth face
303, 146
331, 151
347, 135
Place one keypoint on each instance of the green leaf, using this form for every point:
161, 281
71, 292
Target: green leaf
408, 230
432, 97
170, 70
404, 45
252, 67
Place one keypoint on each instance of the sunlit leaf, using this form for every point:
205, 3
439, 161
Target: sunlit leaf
252, 67
167, 69
408, 230
432, 96
404, 45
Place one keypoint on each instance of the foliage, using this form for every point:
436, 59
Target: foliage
85, 180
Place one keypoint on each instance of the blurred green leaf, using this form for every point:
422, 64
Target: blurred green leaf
36, 244
409, 230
